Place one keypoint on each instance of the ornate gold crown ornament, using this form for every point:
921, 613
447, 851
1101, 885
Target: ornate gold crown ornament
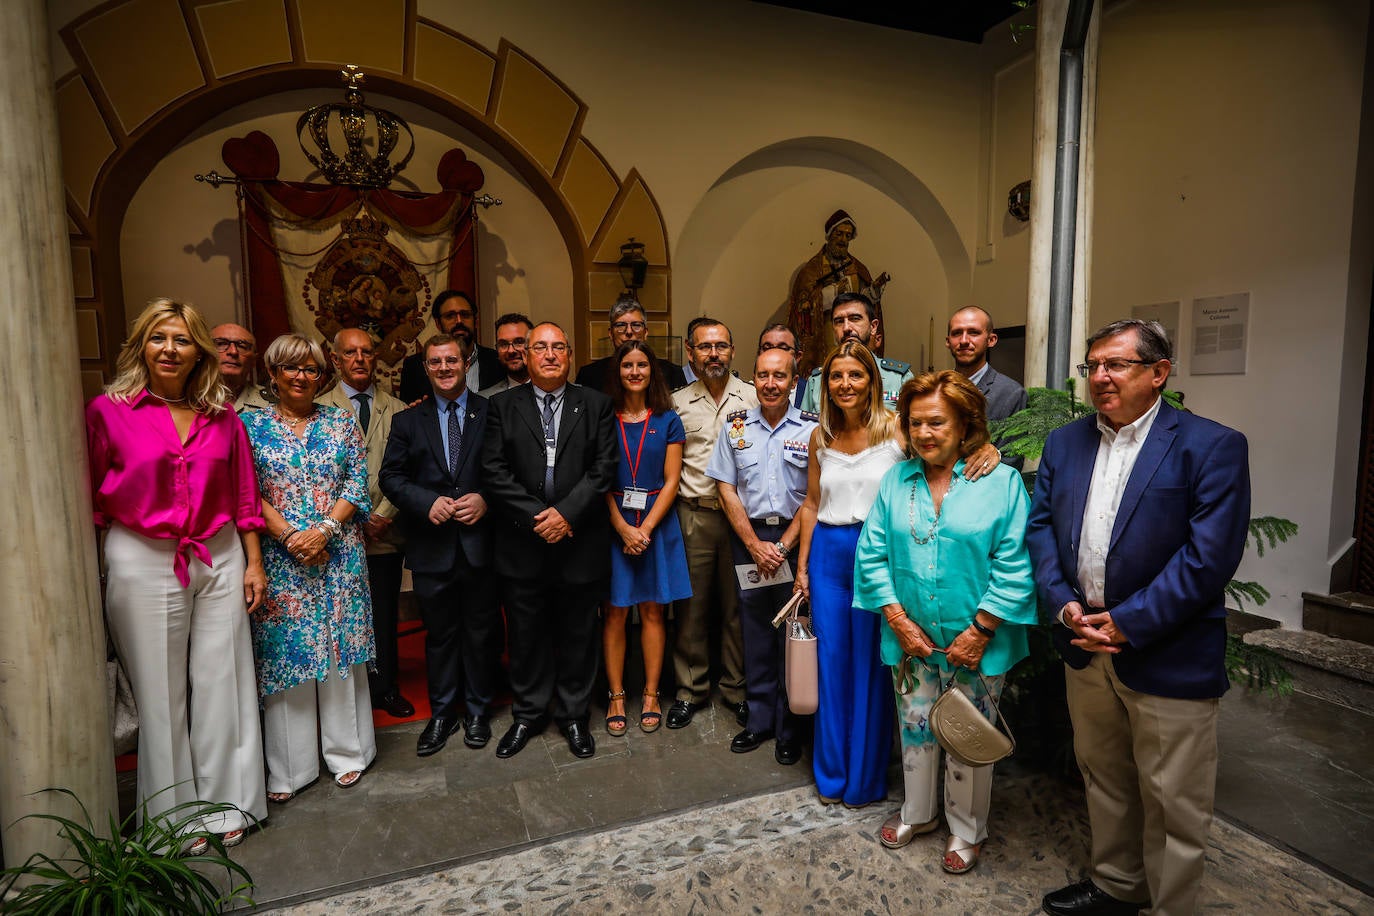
356, 167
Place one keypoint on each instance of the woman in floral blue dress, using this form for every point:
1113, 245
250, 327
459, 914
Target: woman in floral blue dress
649, 565
312, 637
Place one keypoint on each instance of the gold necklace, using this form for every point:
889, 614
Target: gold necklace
291, 422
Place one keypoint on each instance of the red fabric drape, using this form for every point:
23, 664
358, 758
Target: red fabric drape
256, 162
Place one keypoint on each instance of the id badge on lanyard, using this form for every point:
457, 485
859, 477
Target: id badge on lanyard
634, 498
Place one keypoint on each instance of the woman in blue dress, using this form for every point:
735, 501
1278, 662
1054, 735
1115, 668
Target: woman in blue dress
649, 566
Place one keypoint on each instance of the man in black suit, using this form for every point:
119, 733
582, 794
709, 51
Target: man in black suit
454, 314
627, 322
548, 461
432, 471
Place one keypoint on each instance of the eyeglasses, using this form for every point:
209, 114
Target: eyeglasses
541, 348
623, 326
222, 344
297, 371
434, 362
517, 343
717, 347
1113, 366
786, 348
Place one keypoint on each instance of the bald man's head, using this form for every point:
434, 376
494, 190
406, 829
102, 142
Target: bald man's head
969, 337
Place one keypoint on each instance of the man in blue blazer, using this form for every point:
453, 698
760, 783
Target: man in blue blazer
1138, 522
431, 470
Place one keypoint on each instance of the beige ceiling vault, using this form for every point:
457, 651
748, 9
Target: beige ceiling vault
149, 72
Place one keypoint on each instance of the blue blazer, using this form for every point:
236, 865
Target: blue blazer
1178, 538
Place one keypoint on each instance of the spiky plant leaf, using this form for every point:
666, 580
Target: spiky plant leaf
1257, 667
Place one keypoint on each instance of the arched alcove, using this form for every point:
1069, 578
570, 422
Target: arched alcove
773, 203
149, 74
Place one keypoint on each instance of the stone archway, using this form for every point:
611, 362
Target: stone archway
149, 73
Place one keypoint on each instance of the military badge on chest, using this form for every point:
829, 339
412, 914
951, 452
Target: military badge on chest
736, 430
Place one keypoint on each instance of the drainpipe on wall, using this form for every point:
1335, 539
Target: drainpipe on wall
1065, 226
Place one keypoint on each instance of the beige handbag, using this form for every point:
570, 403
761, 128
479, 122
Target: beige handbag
965, 733
803, 694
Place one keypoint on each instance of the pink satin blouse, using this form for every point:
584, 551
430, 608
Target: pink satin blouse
143, 477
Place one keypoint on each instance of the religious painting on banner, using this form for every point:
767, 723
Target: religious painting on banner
321, 257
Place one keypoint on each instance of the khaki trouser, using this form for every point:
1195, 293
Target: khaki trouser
711, 568
1149, 765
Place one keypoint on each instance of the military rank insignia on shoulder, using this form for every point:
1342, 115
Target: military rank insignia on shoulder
894, 365
812, 417
816, 372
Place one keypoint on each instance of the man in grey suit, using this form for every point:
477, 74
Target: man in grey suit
969, 337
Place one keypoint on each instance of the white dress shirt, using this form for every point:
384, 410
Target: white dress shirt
1116, 456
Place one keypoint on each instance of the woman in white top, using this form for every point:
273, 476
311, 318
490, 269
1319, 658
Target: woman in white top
857, 440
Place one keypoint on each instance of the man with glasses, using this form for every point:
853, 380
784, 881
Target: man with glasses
1139, 520
354, 356
706, 405
455, 314
548, 461
432, 470
853, 317
238, 366
778, 336
627, 322
512, 335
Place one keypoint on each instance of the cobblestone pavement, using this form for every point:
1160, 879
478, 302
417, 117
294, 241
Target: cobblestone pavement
785, 852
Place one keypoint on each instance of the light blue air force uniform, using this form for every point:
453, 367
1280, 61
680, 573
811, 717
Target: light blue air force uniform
894, 373
767, 467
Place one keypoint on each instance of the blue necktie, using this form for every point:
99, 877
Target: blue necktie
549, 441
455, 438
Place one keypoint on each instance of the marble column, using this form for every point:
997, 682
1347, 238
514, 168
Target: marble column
1049, 36
54, 725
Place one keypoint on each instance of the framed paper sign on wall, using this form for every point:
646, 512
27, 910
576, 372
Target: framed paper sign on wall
1220, 334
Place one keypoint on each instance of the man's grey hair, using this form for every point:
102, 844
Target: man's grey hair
1152, 341
624, 305
372, 338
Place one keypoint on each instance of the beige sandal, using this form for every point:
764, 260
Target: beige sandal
349, 779
902, 832
961, 851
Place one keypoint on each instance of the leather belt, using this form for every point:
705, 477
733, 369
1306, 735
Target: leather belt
701, 503
772, 521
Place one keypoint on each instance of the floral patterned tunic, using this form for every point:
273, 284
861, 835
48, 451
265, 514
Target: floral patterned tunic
312, 614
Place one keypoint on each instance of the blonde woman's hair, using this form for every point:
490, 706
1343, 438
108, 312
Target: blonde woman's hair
876, 418
205, 392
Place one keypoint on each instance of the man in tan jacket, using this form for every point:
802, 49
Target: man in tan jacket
355, 360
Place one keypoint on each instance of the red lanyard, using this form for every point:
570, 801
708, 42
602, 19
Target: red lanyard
634, 467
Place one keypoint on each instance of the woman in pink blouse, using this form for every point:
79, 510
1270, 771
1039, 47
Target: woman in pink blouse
174, 492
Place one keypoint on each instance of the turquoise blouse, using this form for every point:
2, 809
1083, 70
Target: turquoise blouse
976, 559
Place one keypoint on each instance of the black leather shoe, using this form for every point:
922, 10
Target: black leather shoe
680, 713
476, 731
515, 739
741, 711
395, 705
787, 752
1087, 899
580, 740
435, 735
747, 741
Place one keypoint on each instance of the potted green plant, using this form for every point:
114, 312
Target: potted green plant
138, 868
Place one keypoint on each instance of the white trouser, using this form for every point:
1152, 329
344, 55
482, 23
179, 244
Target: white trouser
189, 656
338, 710
968, 790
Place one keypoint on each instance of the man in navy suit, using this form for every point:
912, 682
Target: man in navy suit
432, 471
548, 460
1138, 522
